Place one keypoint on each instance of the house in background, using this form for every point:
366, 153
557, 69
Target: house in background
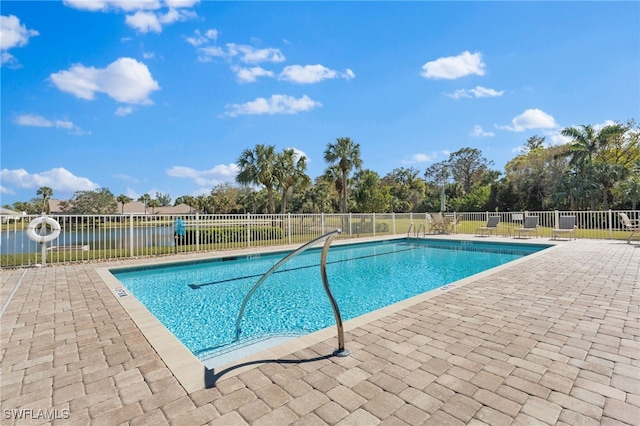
7, 215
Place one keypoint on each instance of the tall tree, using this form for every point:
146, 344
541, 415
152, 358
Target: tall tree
163, 199
345, 154
45, 193
290, 171
123, 199
258, 166
467, 167
370, 195
145, 198
100, 201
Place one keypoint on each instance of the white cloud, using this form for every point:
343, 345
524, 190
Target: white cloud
251, 55
199, 39
145, 18
477, 131
478, 92
124, 80
249, 75
453, 67
312, 74
123, 111
214, 176
206, 53
58, 179
12, 34
531, 119
277, 104
34, 120
105, 5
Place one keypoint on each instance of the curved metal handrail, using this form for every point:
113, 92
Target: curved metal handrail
409, 230
341, 351
419, 228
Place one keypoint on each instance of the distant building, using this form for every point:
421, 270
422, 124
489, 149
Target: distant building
8, 215
134, 207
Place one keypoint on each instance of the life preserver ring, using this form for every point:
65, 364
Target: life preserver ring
40, 221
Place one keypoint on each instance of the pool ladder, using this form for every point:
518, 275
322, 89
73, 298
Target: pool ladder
417, 234
328, 237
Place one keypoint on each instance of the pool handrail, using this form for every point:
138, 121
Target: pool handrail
328, 237
409, 230
419, 228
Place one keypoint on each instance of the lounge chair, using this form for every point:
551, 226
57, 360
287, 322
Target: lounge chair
438, 224
566, 226
530, 225
492, 225
630, 225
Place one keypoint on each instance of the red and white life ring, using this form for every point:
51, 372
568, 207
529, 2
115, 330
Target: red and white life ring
41, 221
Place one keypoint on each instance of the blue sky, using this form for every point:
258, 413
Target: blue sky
146, 96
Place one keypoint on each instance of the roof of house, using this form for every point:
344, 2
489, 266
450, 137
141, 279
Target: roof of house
9, 212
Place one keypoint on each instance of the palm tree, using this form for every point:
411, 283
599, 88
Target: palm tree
290, 171
345, 154
584, 145
46, 193
145, 198
258, 167
123, 199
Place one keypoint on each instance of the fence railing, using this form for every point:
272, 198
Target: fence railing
91, 238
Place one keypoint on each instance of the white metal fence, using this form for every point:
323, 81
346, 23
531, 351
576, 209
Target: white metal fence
85, 238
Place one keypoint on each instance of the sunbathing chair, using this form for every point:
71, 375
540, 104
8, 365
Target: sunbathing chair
530, 225
492, 225
630, 225
566, 226
438, 224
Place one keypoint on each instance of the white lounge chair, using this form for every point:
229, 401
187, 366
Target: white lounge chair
530, 225
630, 225
566, 226
491, 226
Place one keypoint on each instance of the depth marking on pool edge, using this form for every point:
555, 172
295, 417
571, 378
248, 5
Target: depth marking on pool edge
447, 287
120, 292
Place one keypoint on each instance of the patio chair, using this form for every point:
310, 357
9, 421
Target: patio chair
492, 225
566, 226
530, 225
630, 225
438, 224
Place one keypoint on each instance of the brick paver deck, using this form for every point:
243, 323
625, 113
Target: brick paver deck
550, 340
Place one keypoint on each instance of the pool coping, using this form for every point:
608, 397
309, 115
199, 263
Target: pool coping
192, 374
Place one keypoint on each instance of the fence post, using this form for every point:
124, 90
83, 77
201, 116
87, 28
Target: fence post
322, 223
197, 231
289, 227
556, 219
393, 222
610, 220
349, 218
130, 234
248, 229
373, 223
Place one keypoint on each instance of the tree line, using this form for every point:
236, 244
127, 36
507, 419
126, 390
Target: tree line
598, 169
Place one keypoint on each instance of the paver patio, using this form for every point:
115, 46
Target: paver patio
554, 339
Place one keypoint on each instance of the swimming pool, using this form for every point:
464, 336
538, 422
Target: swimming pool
199, 301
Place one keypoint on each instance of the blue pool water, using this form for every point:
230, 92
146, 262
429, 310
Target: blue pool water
199, 301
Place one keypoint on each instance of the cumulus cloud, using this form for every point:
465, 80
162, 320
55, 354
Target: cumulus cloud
199, 39
452, 67
145, 21
58, 179
34, 120
13, 34
144, 18
312, 74
531, 119
478, 132
251, 55
124, 80
206, 54
418, 158
277, 104
214, 176
478, 92
249, 75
